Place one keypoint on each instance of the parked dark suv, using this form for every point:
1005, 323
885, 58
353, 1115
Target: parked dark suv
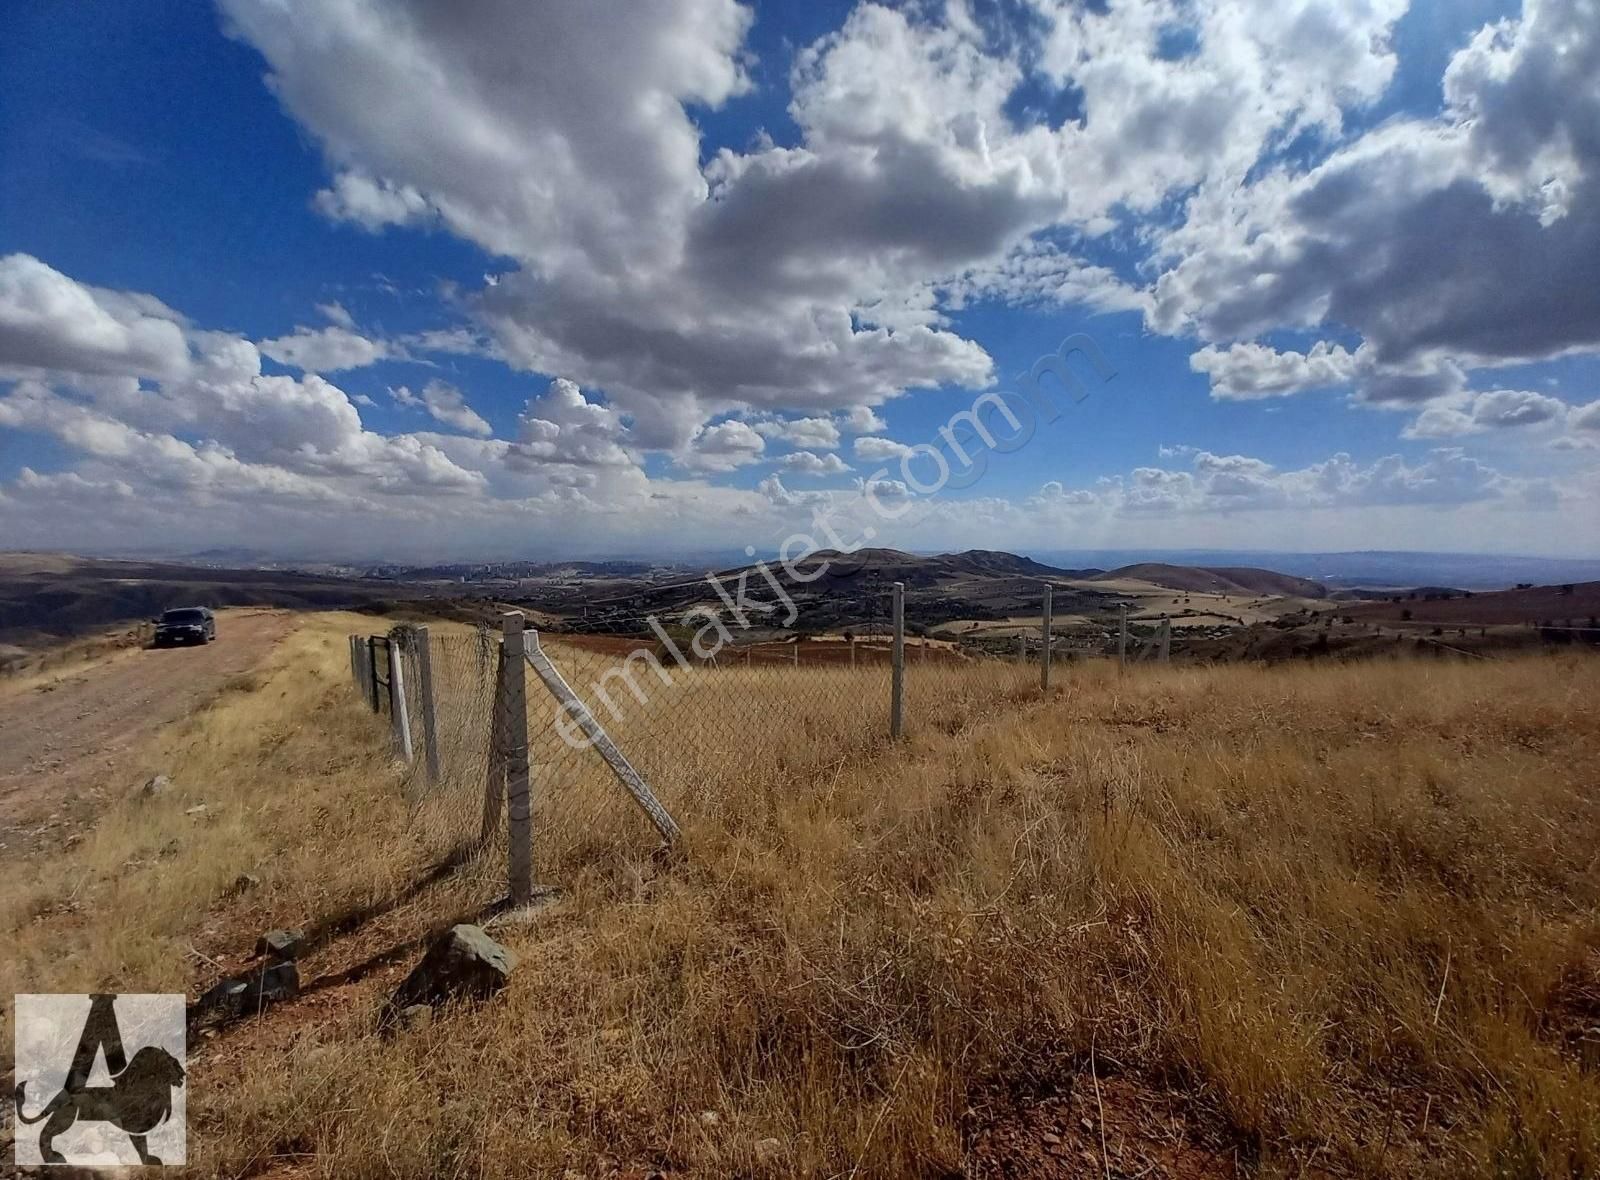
189, 624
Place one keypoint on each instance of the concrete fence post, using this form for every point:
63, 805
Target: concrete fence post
852, 651
1045, 629
372, 675
519, 812
430, 712
796, 651
1166, 640
898, 677
399, 714
1022, 648
1122, 635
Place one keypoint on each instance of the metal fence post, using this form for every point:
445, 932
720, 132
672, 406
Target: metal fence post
430, 712
897, 684
1044, 655
519, 815
399, 714
1122, 635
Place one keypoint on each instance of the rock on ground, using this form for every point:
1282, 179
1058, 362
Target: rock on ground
464, 962
280, 944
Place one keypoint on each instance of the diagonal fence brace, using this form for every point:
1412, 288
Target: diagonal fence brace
630, 778
1158, 645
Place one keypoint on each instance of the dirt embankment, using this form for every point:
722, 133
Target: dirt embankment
64, 744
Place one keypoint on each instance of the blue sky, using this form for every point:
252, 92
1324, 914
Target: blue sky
546, 280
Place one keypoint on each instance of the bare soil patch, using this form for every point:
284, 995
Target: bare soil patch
65, 744
1099, 1126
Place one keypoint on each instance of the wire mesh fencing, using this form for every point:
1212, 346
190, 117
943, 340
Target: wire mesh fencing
632, 740
447, 793
710, 738
947, 689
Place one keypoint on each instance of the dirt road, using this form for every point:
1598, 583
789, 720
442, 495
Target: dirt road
65, 747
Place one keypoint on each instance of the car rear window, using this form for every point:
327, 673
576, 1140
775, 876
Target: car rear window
184, 616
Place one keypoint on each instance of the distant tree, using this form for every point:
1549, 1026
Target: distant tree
1437, 631
1566, 590
1405, 615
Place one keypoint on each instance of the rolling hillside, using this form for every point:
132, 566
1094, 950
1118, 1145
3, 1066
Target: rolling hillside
1575, 601
1217, 580
53, 595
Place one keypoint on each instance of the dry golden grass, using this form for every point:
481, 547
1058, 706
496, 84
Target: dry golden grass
22, 670
286, 782
1352, 913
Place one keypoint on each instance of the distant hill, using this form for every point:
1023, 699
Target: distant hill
847, 589
1376, 569
54, 595
895, 565
1243, 580
1574, 601
991, 561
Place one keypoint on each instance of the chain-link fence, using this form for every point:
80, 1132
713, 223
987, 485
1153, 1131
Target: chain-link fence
708, 731
453, 734
709, 739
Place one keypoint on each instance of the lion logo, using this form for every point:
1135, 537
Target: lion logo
137, 1101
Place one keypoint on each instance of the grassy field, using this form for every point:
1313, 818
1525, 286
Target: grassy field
1334, 920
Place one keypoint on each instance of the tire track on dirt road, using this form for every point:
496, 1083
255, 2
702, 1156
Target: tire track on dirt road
66, 745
